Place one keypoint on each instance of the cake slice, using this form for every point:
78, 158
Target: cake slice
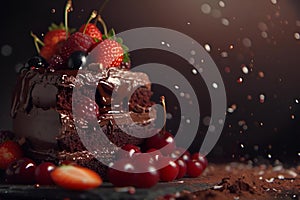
42, 112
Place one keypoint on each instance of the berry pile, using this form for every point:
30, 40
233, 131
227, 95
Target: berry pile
63, 48
176, 163
19, 169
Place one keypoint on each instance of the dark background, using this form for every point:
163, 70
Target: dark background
256, 130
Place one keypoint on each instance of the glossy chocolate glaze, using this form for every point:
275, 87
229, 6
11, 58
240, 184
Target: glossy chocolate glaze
42, 106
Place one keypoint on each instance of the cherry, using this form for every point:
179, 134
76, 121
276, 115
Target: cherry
201, 158
142, 160
130, 151
170, 170
153, 150
121, 173
182, 168
21, 171
147, 175
126, 172
180, 152
186, 156
146, 179
194, 168
42, 173
160, 140
155, 154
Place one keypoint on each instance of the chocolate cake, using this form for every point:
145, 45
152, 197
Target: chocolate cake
42, 112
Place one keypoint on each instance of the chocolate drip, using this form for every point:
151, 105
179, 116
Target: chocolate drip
53, 110
104, 96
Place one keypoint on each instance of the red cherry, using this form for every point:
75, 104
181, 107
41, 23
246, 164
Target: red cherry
180, 152
146, 179
129, 150
186, 156
149, 175
21, 171
155, 154
170, 170
160, 140
153, 150
42, 173
201, 158
182, 168
142, 160
194, 168
121, 174
9, 152
126, 172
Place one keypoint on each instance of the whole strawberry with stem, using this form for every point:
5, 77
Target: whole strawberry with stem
91, 29
55, 35
54, 38
110, 52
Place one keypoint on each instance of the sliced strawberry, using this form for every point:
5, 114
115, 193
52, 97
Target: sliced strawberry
75, 177
91, 30
9, 152
76, 42
109, 53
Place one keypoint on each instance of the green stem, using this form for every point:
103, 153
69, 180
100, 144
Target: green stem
102, 7
93, 15
67, 8
103, 25
37, 41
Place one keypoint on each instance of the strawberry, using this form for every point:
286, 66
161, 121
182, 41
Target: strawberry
76, 42
56, 34
53, 40
75, 177
9, 152
47, 52
109, 53
91, 30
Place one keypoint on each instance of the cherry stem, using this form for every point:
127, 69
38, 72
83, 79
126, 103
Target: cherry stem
102, 7
99, 18
67, 9
93, 15
162, 99
37, 41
